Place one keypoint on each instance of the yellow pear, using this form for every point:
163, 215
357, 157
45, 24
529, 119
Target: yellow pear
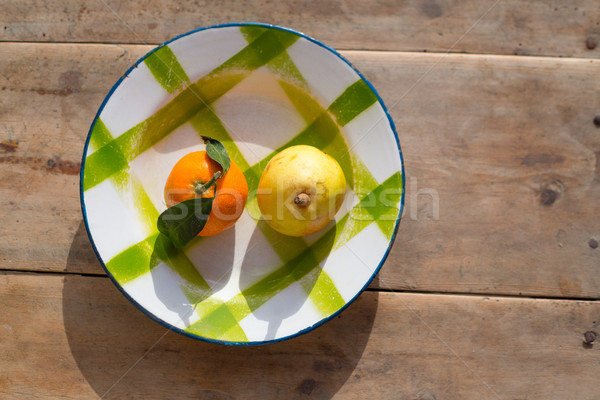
300, 190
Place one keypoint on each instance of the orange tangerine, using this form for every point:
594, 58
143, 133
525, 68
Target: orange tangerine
194, 170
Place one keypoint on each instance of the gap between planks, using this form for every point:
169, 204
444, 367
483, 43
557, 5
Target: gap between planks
368, 289
339, 50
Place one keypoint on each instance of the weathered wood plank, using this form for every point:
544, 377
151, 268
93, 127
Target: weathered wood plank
509, 148
78, 338
553, 27
47, 105
507, 144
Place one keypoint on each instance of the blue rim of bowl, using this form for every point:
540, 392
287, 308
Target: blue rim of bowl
181, 331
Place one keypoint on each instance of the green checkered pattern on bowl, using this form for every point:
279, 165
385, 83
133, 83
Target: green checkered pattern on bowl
215, 318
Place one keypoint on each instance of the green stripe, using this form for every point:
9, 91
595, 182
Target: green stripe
320, 288
364, 182
347, 227
213, 86
308, 108
103, 163
207, 123
322, 247
250, 299
135, 261
264, 48
251, 33
337, 149
239, 307
322, 292
145, 255
164, 121
100, 134
364, 213
355, 99
207, 307
131, 188
284, 66
166, 69
320, 133
234, 334
219, 324
286, 247
260, 292
179, 262
388, 196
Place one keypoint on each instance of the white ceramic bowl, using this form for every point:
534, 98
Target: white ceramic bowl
258, 89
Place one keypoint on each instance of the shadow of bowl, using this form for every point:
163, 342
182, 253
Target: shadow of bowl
125, 355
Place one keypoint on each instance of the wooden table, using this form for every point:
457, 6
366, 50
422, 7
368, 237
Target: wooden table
494, 277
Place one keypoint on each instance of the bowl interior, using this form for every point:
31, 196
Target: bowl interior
258, 89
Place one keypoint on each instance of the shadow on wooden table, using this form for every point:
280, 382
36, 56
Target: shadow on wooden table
123, 354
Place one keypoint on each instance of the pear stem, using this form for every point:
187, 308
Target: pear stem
302, 200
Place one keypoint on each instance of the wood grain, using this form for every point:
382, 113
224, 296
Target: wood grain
50, 95
507, 145
72, 337
552, 27
509, 148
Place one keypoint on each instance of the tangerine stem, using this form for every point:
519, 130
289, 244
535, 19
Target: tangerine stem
200, 187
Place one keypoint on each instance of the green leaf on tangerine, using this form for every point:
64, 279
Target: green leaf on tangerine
217, 152
184, 221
